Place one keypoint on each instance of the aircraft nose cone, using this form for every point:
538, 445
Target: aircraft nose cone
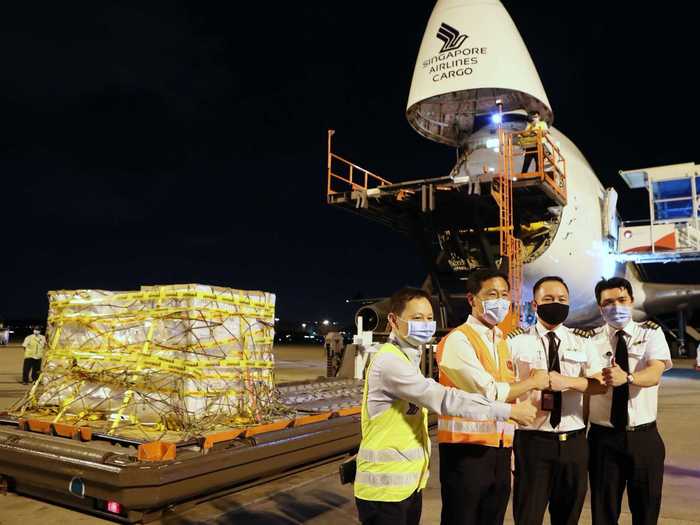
471, 56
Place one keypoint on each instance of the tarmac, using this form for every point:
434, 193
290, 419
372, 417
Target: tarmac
315, 495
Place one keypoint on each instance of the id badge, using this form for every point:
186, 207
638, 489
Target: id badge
547, 400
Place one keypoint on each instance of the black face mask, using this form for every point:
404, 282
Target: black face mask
553, 313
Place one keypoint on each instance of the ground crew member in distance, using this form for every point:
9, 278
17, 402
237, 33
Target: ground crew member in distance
625, 446
551, 454
34, 346
475, 456
392, 462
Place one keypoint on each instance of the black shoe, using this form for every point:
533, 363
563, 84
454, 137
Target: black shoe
24, 383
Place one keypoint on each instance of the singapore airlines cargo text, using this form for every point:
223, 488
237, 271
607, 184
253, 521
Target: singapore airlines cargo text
454, 63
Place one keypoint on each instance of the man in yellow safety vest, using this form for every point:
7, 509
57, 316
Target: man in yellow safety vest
34, 345
528, 140
393, 459
475, 456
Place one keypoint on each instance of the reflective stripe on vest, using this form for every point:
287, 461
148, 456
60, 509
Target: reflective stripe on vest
389, 479
392, 462
461, 430
389, 455
458, 424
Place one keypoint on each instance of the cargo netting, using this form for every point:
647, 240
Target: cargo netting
166, 362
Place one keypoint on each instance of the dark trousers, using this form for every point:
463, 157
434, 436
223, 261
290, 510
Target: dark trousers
530, 155
620, 459
549, 471
406, 512
475, 484
32, 366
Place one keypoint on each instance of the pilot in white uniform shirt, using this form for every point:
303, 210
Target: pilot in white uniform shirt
626, 450
645, 341
551, 454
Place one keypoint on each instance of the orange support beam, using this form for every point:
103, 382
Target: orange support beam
228, 435
315, 418
349, 411
268, 427
37, 425
156, 451
72, 432
85, 434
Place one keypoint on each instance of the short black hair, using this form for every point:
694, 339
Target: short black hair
477, 278
399, 300
609, 284
547, 279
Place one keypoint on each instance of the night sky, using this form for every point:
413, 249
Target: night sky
146, 143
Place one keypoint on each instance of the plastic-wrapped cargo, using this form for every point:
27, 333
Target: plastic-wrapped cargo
181, 359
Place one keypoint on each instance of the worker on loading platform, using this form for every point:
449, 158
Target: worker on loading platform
625, 446
475, 456
528, 140
393, 459
551, 454
34, 345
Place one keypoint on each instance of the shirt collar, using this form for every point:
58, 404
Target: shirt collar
627, 329
411, 352
483, 329
542, 331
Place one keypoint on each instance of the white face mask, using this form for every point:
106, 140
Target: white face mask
495, 310
419, 332
617, 316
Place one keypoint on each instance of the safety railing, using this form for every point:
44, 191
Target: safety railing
344, 176
550, 164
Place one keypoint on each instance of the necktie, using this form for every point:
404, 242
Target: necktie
553, 358
621, 394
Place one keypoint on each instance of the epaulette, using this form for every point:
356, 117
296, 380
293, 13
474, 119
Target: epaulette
650, 325
514, 333
582, 332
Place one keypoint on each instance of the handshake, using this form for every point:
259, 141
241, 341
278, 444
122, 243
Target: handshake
524, 413
543, 380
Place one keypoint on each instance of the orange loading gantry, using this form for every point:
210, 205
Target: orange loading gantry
354, 187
